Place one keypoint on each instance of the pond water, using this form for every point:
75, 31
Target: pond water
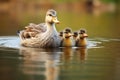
100, 60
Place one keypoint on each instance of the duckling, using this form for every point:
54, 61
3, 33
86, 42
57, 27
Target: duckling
67, 40
47, 36
75, 36
61, 35
81, 41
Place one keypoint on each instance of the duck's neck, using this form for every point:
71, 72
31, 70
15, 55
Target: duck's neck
51, 28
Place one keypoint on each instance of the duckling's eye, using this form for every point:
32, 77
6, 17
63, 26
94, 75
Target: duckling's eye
49, 14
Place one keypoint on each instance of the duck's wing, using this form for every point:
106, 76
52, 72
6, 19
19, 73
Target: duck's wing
35, 28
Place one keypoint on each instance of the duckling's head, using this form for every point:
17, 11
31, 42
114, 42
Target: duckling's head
82, 31
67, 34
51, 16
68, 30
75, 34
61, 34
83, 34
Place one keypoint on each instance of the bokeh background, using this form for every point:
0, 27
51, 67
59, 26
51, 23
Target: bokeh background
101, 18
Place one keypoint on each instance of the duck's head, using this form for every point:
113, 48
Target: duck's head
75, 34
51, 17
83, 34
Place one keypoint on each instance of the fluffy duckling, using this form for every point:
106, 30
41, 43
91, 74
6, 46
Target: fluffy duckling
48, 36
75, 36
61, 35
67, 38
81, 41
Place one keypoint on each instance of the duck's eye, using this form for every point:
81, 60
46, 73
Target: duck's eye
49, 14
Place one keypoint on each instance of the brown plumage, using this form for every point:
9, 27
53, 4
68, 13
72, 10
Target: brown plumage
47, 35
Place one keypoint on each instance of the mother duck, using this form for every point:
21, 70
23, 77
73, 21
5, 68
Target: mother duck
47, 36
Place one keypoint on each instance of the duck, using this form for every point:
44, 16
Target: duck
81, 40
47, 35
67, 38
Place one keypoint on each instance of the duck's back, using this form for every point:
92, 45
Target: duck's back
40, 27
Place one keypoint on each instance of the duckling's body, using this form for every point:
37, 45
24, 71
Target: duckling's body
47, 36
67, 42
82, 41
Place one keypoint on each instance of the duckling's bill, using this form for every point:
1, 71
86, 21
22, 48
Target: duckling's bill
85, 35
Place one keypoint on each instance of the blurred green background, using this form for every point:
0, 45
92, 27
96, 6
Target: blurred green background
101, 18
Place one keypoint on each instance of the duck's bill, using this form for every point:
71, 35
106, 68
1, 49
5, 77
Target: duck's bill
55, 20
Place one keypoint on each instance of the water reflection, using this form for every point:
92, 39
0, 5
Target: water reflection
68, 54
67, 63
82, 54
47, 62
40, 62
72, 56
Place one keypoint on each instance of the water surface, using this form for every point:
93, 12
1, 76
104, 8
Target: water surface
99, 61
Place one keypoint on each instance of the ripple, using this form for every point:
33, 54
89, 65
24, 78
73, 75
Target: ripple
14, 42
106, 39
9, 41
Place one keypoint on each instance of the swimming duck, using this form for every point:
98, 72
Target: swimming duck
47, 36
67, 38
81, 41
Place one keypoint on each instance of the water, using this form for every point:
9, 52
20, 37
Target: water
100, 60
